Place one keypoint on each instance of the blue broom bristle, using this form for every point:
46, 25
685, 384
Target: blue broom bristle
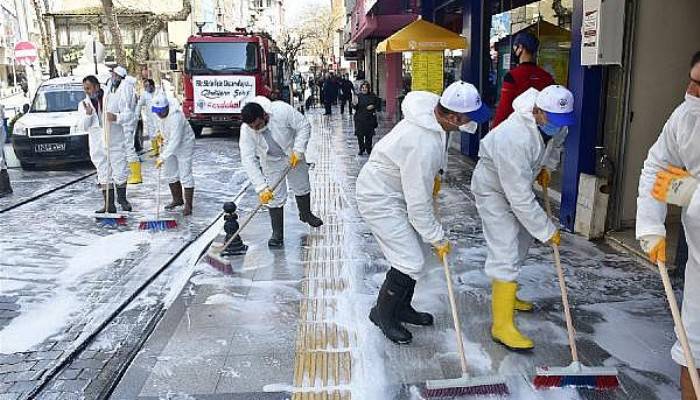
110, 221
482, 390
603, 382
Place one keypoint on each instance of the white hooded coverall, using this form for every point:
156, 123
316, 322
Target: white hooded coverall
395, 186
128, 84
93, 124
678, 145
291, 131
178, 146
510, 158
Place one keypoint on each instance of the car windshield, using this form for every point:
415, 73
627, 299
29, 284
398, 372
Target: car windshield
57, 98
221, 56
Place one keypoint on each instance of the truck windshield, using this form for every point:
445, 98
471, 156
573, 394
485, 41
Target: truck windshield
221, 56
58, 98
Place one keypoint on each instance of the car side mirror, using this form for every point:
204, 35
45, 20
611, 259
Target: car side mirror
25, 108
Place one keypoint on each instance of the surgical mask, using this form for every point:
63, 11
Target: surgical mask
470, 127
550, 129
116, 82
95, 95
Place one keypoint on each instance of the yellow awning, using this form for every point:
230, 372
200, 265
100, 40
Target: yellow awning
422, 35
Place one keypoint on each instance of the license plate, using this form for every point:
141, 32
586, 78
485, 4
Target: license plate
50, 147
220, 118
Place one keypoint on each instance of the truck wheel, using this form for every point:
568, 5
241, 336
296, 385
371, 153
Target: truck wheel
27, 166
197, 130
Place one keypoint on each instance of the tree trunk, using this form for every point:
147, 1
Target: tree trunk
53, 71
46, 44
155, 25
113, 25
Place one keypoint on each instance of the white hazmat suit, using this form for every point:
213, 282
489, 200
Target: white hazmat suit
291, 131
93, 124
510, 158
129, 126
178, 146
678, 145
395, 187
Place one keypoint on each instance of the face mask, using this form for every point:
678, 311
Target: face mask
515, 56
551, 130
116, 82
95, 95
692, 100
470, 127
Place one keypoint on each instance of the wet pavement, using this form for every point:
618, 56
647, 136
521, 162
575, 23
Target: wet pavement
292, 323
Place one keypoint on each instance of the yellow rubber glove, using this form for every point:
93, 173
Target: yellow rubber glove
265, 196
437, 185
544, 177
442, 249
555, 240
674, 186
294, 159
654, 246
159, 162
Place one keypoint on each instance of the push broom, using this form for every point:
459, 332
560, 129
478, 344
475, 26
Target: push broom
465, 385
107, 218
158, 224
575, 374
213, 257
680, 328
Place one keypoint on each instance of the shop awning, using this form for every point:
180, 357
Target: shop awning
422, 35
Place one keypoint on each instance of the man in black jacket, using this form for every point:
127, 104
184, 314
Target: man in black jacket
346, 92
330, 92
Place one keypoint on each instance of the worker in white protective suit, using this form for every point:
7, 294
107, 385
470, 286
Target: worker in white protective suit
111, 169
176, 154
5, 187
273, 137
670, 176
523, 148
149, 118
128, 86
396, 191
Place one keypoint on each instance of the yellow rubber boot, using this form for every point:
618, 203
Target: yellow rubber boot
135, 173
522, 305
503, 329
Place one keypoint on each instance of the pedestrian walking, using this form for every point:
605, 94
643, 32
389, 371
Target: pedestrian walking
274, 136
176, 153
330, 92
346, 94
395, 196
5, 186
525, 147
670, 176
367, 104
522, 77
100, 108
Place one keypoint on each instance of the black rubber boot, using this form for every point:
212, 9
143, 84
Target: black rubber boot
107, 202
5, 187
385, 313
121, 198
407, 313
189, 199
176, 192
305, 215
277, 221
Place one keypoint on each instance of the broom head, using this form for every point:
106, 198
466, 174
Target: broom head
158, 225
110, 219
577, 375
466, 386
216, 260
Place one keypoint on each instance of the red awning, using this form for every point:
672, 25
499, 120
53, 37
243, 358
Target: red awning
382, 26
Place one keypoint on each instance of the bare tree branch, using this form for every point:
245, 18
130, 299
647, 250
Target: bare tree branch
156, 24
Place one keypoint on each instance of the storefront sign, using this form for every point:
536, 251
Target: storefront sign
222, 94
428, 71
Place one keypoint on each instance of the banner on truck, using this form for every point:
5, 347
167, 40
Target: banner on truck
222, 94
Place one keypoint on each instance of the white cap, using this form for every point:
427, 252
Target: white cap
119, 70
159, 103
462, 97
263, 101
558, 103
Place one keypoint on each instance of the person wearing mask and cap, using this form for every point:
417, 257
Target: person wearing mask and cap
396, 191
176, 154
522, 77
670, 176
511, 157
111, 170
274, 136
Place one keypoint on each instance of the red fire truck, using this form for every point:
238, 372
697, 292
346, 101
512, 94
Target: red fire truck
222, 70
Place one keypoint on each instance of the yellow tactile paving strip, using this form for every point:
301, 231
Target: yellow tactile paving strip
323, 363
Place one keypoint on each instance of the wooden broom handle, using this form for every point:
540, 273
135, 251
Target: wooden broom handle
455, 316
680, 328
562, 285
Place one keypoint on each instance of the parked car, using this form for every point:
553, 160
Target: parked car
47, 132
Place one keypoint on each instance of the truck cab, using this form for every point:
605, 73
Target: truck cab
222, 70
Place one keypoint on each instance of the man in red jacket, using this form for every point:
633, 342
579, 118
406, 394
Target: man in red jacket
524, 76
